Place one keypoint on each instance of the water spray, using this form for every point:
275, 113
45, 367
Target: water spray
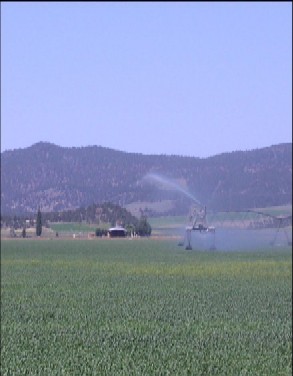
244, 233
171, 184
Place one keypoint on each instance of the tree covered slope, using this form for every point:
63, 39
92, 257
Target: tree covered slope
58, 178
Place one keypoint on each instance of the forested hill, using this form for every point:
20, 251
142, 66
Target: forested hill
59, 178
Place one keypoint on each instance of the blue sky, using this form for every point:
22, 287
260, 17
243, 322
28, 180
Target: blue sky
185, 78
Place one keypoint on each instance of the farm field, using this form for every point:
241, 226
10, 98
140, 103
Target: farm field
143, 307
72, 227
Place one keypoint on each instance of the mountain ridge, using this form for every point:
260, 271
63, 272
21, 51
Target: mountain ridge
60, 178
52, 144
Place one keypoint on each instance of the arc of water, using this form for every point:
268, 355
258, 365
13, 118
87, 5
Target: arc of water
171, 184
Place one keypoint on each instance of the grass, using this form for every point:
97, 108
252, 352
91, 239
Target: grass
278, 210
72, 227
143, 307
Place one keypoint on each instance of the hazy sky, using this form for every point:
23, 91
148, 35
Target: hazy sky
193, 78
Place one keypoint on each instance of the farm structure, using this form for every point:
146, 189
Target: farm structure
117, 232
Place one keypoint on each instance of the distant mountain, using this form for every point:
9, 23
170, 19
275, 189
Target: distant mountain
59, 178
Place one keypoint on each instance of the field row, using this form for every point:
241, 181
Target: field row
143, 307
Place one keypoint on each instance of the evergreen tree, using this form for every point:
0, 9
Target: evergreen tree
23, 233
143, 227
39, 223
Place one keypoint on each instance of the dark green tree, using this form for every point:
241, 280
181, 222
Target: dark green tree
23, 233
143, 227
99, 232
39, 223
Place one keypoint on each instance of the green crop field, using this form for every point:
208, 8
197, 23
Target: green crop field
143, 307
72, 227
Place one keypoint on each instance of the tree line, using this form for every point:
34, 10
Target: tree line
105, 213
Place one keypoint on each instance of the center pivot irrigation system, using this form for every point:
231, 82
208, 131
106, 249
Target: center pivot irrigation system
241, 220
198, 220
265, 227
